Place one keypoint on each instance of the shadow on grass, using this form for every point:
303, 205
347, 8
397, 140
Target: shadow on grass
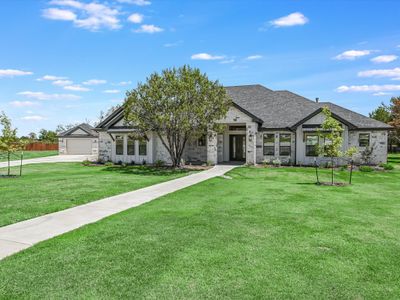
394, 159
145, 170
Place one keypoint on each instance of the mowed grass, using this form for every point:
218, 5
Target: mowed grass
265, 233
28, 155
50, 187
394, 158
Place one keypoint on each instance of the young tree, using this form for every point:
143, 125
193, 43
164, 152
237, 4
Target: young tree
176, 104
9, 142
395, 119
331, 135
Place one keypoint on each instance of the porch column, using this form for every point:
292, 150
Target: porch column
212, 147
251, 132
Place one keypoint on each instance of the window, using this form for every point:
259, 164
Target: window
119, 145
201, 141
363, 140
131, 146
269, 144
143, 148
312, 141
285, 140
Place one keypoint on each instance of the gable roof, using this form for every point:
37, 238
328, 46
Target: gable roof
84, 126
277, 109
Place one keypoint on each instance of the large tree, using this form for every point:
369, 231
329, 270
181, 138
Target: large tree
176, 104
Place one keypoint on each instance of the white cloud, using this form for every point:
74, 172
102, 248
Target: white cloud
175, 44
206, 56
62, 82
381, 94
227, 61
254, 57
111, 91
33, 118
148, 29
352, 54
135, 18
76, 88
391, 73
92, 16
51, 78
294, 19
12, 73
136, 2
368, 88
95, 82
23, 103
59, 14
384, 58
123, 83
44, 96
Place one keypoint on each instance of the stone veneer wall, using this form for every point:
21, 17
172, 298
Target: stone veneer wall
379, 142
105, 146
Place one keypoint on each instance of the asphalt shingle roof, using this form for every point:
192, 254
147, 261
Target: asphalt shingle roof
84, 126
283, 109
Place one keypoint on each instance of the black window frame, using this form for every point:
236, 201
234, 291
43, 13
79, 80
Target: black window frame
141, 145
202, 141
287, 147
360, 139
130, 147
119, 138
314, 152
268, 147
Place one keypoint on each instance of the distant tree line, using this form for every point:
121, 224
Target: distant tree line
390, 114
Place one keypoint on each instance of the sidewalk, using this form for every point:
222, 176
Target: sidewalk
22, 235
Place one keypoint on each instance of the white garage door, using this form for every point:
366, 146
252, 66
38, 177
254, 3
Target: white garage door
79, 146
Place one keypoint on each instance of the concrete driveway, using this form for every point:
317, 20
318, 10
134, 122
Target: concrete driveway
50, 159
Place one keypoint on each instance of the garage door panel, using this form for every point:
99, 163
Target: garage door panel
79, 146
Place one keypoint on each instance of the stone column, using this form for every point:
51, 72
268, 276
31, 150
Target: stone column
251, 135
212, 147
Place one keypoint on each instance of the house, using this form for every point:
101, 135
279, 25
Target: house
261, 125
81, 139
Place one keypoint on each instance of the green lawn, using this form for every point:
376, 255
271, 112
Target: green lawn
265, 233
46, 188
394, 158
28, 155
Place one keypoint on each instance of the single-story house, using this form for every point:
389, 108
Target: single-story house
261, 125
81, 139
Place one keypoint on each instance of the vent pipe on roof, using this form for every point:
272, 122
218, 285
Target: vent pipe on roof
317, 100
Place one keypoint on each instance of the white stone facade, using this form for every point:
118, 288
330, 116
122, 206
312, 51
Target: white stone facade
216, 147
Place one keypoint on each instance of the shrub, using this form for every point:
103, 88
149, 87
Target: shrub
144, 162
266, 162
109, 164
209, 163
159, 163
277, 162
387, 167
366, 169
86, 162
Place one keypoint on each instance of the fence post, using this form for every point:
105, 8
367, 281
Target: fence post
20, 166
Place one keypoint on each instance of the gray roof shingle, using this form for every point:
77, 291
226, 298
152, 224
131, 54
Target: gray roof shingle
84, 126
284, 109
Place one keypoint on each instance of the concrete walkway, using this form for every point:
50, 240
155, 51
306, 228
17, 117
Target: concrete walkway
49, 159
22, 235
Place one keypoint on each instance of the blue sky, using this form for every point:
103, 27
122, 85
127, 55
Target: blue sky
63, 61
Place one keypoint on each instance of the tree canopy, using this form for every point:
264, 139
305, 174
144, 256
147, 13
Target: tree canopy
176, 104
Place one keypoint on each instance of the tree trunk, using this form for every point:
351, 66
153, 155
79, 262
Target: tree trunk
8, 159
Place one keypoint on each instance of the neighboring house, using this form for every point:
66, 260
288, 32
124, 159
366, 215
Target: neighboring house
82, 139
261, 125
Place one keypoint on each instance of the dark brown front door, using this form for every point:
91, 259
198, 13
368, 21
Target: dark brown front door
237, 147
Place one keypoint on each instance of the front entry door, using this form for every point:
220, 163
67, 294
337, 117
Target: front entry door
237, 147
